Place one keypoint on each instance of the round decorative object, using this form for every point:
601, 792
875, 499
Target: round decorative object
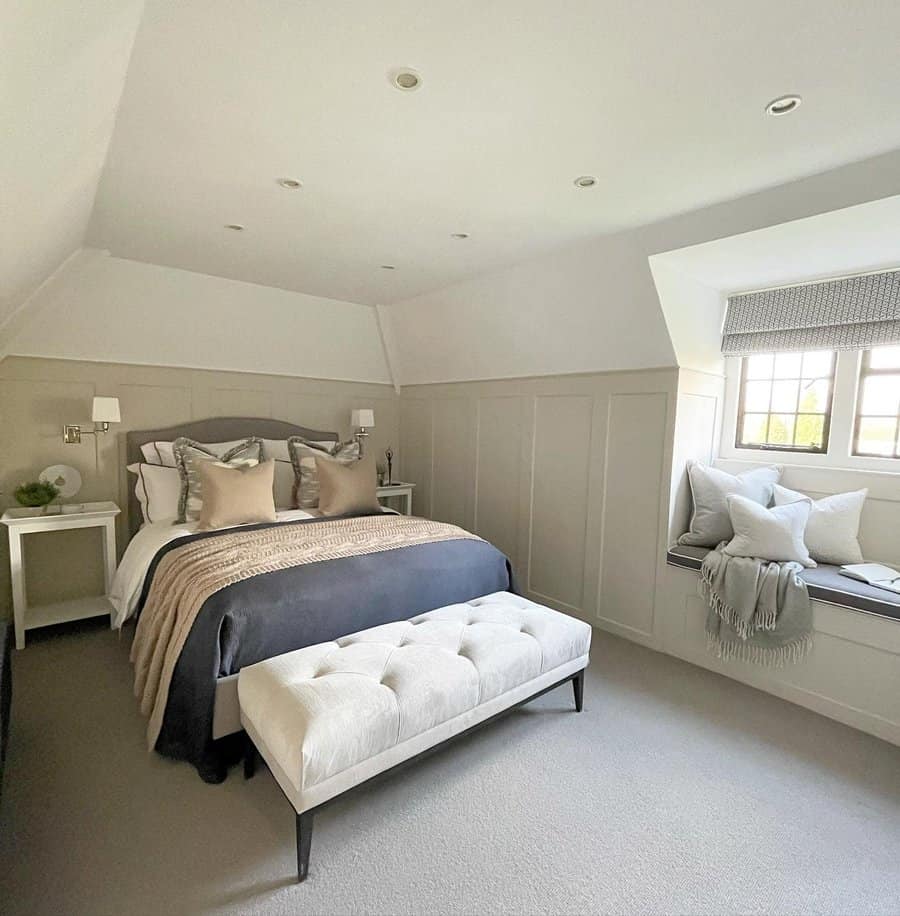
65, 478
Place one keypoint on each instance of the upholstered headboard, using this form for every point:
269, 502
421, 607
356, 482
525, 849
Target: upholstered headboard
215, 429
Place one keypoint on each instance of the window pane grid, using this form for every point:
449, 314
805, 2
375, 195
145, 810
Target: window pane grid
877, 428
785, 401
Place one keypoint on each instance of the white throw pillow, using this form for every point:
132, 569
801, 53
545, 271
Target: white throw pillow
158, 490
769, 534
710, 489
832, 532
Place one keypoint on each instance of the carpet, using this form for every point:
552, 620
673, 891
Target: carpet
675, 791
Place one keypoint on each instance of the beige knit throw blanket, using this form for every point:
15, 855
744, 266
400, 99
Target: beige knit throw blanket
186, 576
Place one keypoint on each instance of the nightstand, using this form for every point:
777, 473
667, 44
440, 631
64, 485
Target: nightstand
384, 494
29, 521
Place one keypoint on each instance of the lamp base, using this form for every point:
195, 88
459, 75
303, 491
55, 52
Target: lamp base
361, 436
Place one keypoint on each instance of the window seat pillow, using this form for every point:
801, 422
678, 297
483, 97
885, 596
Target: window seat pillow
832, 532
824, 583
710, 489
770, 534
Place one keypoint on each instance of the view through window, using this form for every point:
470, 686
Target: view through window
785, 401
877, 432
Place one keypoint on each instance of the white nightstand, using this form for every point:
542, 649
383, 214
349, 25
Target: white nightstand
397, 489
28, 521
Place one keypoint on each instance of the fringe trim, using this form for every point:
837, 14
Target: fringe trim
724, 611
769, 656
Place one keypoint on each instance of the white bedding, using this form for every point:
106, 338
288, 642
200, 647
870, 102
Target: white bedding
129, 579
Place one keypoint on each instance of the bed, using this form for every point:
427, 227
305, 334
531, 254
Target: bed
278, 610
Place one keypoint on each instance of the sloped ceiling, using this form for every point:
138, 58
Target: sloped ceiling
661, 101
62, 68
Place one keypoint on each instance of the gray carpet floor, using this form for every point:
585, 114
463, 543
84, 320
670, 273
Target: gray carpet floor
675, 791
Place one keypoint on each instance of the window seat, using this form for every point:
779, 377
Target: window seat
824, 583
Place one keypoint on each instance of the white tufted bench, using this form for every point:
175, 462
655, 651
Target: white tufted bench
329, 717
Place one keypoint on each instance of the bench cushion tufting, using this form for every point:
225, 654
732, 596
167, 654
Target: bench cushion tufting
323, 710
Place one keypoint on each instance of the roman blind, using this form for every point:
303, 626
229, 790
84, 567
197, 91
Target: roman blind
854, 313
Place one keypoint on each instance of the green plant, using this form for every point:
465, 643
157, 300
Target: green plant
36, 493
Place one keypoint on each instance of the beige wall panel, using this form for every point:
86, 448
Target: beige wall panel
240, 402
62, 565
634, 478
38, 395
453, 462
561, 467
499, 471
415, 451
152, 406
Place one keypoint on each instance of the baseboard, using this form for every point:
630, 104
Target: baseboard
856, 718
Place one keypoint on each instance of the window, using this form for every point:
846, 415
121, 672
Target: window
785, 401
877, 430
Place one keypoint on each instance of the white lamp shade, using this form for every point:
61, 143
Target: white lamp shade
106, 410
363, 417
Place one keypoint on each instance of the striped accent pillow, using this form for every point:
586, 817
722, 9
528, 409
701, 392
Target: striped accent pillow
303, 454
188, 453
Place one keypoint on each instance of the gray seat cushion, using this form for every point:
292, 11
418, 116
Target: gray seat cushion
825, 583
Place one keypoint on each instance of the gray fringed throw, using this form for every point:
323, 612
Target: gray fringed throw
759, 611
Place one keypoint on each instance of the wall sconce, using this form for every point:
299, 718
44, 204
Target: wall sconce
364, 420
104, 412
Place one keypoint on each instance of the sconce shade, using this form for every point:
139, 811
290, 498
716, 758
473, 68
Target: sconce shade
106, 410
364, 417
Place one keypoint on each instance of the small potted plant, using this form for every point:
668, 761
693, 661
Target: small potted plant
38, 494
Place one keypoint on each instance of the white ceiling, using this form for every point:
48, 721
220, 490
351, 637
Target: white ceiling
851, 240
693, 283
663, 102
62, 67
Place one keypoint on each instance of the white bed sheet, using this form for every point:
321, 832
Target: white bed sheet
129, 579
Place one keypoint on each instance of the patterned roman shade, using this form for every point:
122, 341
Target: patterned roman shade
850, 314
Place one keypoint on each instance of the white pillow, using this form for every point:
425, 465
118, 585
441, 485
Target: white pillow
162, 453
158, 490
710, 489
769, 534
832, 532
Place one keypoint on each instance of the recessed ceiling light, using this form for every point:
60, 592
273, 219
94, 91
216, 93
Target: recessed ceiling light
585, 181
237, 227
388, 267
459, 235
406, 79
783, 105
291, 184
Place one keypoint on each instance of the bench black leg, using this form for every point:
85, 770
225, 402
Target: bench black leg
250, 756
304, 839
578, 689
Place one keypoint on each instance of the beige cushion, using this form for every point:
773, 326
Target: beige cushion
303, 454
190, 454
234, 495
347, 488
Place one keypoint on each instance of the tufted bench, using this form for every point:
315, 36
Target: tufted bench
329, 717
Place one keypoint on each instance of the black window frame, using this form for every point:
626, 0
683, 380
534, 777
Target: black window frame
767, 447
866, 371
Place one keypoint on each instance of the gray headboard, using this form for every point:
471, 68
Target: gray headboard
215, 429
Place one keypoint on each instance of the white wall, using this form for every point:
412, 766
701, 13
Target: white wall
595, 306
62, 68
114, 310
585, 309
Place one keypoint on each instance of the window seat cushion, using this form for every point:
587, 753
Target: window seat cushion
824, 583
